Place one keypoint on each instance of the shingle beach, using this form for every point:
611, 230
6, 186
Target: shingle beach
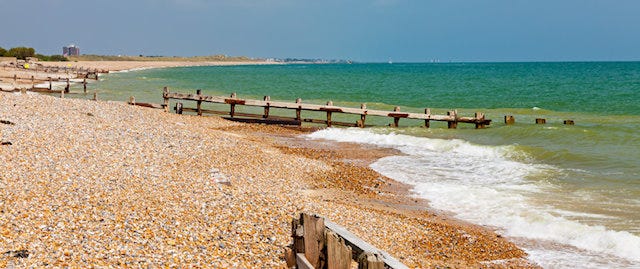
103, 184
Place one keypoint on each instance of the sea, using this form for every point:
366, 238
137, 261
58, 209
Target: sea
569, 195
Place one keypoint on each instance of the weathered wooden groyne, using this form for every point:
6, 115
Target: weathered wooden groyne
80, 72
452, 118
49, 80
320, 243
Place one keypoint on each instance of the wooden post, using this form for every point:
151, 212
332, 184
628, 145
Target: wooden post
396, 120
313, 230
33, 83
368, 260
428, 112
266, 108
509, 120
299, 109
165, 96
15, 78
84, 84
363, 116
338, 253
132, 100
297, 232
95, 95
199, 102
232, 111
62, 93
178, 108
569, 122
50, 83
479, 120
330, 103
452, 124
290, 257
66, 89
541, 121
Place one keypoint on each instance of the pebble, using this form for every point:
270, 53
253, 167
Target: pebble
105, 184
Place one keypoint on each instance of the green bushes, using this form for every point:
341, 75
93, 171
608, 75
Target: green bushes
21, 53
52, 58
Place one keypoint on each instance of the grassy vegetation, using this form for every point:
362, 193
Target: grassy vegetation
212, 58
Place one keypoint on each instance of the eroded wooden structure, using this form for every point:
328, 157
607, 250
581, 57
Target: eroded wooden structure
452, 118
320, 243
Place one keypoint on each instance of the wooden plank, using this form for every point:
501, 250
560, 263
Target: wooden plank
234, 101
369, 260
338, 253
150, 105
269, 121
347, 124
359, 246
398, 115
302, 262
331, 109
313, 229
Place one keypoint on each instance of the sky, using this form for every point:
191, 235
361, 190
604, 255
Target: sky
358, 30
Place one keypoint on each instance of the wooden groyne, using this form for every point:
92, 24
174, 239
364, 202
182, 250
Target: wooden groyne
80, 72
452, 118
320, 243
48, 80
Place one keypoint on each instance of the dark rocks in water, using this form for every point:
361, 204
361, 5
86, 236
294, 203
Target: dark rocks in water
23, 253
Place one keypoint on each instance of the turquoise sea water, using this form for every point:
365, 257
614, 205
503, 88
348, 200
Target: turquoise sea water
569, 195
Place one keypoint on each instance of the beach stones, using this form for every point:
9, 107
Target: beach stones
23, 253
135, 187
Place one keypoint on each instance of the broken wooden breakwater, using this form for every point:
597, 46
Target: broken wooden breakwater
320, 243
452, 118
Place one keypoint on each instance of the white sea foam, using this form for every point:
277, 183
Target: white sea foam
131, 70
483, 185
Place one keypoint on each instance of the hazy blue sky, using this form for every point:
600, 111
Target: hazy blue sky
361, 30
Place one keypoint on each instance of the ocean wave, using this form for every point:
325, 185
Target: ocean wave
482, 184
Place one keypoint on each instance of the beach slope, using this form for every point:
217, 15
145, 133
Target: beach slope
86, 183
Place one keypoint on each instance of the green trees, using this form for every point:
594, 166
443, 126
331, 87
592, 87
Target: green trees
21, 52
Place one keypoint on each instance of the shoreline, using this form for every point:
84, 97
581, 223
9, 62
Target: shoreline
340, 186
7, 83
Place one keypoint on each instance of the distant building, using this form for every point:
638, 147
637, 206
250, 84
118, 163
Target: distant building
71, 50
